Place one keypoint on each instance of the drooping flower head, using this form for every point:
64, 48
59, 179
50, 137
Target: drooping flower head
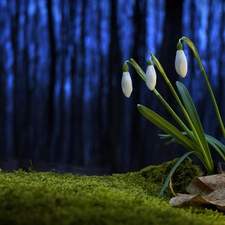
150, 76
181, 64
126, 82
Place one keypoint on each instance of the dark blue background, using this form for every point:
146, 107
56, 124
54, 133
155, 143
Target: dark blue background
60, 68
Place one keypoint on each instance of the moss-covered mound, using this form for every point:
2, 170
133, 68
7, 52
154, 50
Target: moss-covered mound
131, 198
180, 179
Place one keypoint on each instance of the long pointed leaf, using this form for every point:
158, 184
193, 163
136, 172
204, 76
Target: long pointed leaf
190, 107
209, 137
217, 145
166, 127
197, 151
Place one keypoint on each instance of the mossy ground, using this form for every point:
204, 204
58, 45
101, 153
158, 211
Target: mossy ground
131, 198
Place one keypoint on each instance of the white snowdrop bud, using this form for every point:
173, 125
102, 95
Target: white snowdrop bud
126, 82
150, 76
181, 64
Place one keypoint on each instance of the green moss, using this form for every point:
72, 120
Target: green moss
180, 179
51, 198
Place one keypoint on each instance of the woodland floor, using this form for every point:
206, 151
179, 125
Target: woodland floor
31, 197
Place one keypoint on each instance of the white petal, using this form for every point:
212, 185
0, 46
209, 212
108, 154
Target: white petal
181, 64
126, 84
150, 77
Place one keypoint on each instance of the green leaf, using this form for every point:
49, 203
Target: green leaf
217, 145
190, 107
172, 172
200, 136
166, 127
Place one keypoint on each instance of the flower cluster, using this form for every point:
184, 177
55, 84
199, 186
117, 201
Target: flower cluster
181, 66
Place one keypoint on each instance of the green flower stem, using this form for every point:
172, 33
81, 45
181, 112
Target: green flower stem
174, 115
142, 74
209, 161
138, 69
160, 68
194, 50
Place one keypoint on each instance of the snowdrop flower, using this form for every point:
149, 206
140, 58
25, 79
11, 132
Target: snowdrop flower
181, 64
150, 76
126, 82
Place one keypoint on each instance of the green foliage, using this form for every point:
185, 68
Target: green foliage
131, 198
192, 135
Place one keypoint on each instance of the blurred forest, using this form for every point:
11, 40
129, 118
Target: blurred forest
60, 70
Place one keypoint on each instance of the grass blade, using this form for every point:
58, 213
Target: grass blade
172, 171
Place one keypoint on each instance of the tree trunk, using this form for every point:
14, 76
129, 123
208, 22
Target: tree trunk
171, 33
114, 97
52, 72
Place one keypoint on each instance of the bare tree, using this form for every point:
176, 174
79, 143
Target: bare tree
113, 106
138, 53
171, 33
53, 54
